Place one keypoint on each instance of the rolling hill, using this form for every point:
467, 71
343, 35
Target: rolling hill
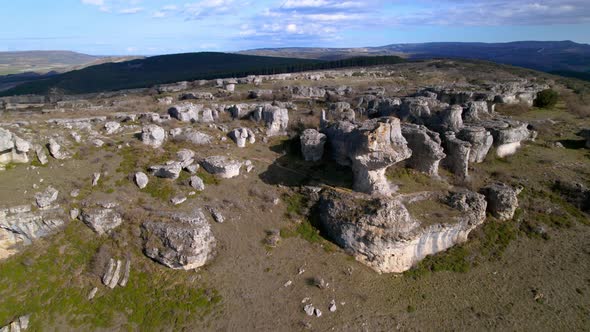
150, 71
548, 56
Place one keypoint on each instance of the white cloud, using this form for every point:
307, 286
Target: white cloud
159, 14
170, 7
291, 28
93, 2
133, 10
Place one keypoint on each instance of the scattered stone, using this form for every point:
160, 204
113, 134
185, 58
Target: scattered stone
177, 200
101, 220
97, 142
332, 306
197, 183
92, 293
74, 213
112, 127
41, 155
320, 283
217, 216
186, 112
288, 283
55, 150
192, 168
317, 312
309, 309
46, 198
20, 324
95, 179
75, 193
141, 180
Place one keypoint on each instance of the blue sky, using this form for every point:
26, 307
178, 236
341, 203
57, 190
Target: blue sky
145, 27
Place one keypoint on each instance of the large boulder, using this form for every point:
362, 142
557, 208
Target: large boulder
508, 135
425, 144
383, 234
170, 170
191, 135
276, 120
222, 166
179, 240
502, 200
101, 220
153, 135
186, 112
312, 144
369, 148
13, 149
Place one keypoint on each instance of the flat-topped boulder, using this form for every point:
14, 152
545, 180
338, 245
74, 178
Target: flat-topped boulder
100, 219
502, 200
179, 240
185, 112
384, 234
312, 144
153, 135
191, 135
481, 141
222, 166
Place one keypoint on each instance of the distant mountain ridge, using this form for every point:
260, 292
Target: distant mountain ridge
546, 56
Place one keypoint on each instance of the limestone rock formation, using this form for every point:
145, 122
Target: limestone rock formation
186, 112
197, 183
179, 240
312, 145
153, 135
370, 148
458, 151
425, 144
191, 135
20, 225
13, 149
502, 200
276, 120
241, 135
481, 141
112, 127
55, 150
222, 166
171, 170
382, 233
101, 220
508, 135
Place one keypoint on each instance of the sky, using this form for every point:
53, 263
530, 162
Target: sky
148, 27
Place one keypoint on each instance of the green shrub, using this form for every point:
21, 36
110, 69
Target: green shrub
546, 98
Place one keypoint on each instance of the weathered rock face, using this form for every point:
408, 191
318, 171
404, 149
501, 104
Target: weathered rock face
276, 120
507, 134
451, 119
502, 200
112, 127
20, 225
241, 135
341, 111
382, 234
308, 92
173, 87
481, 142
116, 273
425, 144
55, 150
197, 95
153, 135
101, 220
476, 110
179, 241
197, 183
13, 149
370, 148
312, 145
458, 151
222, 166
414, 110
186, 112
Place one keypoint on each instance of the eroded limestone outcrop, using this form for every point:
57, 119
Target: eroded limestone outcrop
425, 144
369, 148
312, 145
382, 233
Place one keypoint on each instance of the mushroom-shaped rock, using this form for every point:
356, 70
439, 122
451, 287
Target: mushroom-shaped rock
502, 200
179, 241
241, 135
222, 166
101, 220
370, 148
153, 135
312, 144
425, 144
383, 234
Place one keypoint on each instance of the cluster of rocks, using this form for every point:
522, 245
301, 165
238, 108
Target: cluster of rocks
116, 273
13, 149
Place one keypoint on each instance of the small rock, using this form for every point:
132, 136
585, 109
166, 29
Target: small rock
178, 200
44, 199
192, 168
320, 283
141, 180
111, 127
309, 309
197, 183
318, 312
92, 293
97, 142
288, 283
95, 179
74, 213
332, 306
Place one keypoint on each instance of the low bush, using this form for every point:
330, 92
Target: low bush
546, 98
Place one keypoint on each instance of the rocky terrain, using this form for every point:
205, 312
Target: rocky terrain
415, 196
